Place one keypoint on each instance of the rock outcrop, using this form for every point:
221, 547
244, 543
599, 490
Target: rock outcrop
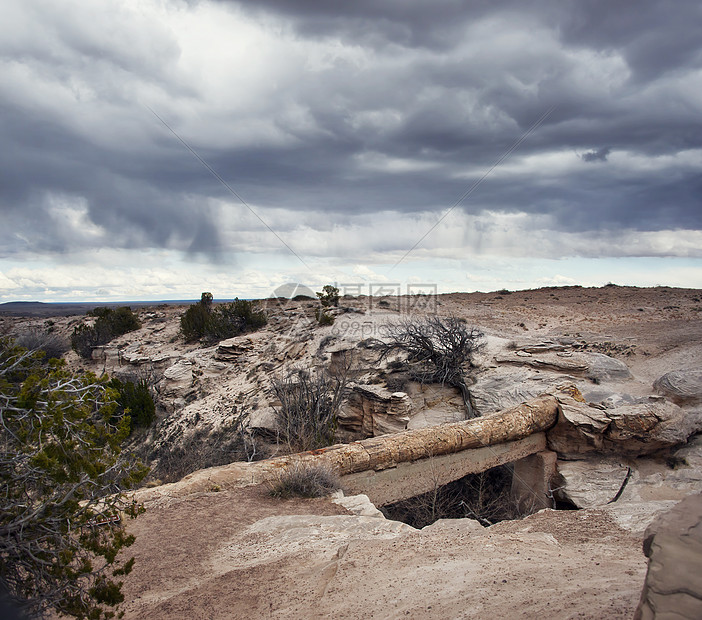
373, 410
178, 378
591, 483
630, 430
594, 366
673, 545
232, 349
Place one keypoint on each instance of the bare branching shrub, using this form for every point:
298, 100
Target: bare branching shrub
304, 480
53, 345
438, 350
206, 448
309, 405
484, 497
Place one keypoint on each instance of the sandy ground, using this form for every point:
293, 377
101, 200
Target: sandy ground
236, 554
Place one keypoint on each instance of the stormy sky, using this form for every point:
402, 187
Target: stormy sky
154, 149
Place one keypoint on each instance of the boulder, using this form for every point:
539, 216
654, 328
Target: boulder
137, 359
263, 418
683, 387
509, 386
434, 404
673, 545
359, 505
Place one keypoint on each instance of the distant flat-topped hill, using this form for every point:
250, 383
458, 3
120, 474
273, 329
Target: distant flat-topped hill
44, 309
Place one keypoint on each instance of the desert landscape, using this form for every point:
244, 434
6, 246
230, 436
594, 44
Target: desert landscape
623, 364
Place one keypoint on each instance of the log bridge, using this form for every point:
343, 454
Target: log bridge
394, 467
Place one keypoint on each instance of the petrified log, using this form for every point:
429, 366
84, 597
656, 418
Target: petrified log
389, 450
378, 453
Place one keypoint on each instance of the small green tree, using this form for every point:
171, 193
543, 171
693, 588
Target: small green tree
63, 479
329, 296
193, 324
206, 300
323, 318
212, 323
109, 323
134, 400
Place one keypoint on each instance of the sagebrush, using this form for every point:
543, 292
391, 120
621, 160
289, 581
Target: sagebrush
304, 480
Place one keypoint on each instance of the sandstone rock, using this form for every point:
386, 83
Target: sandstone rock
263, 418
595, 366
591, 483
373, 410
509, 386
632, 430
434, 404
358, 505
274, 538
547, 361
293, 351
178, 378
542, 347
133, 354
636, 516
109, 354
232, 349
601, 367
673, 544
649, 427
161, 359
683, 387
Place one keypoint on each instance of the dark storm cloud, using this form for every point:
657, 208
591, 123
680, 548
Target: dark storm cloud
426, 99
596, 155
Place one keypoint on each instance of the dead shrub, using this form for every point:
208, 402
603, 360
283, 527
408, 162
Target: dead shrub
484, 497
51, 343
206, 448
304, 480
307, 417
437, 350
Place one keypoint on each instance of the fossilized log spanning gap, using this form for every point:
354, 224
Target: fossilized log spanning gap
377, 453
534, 416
